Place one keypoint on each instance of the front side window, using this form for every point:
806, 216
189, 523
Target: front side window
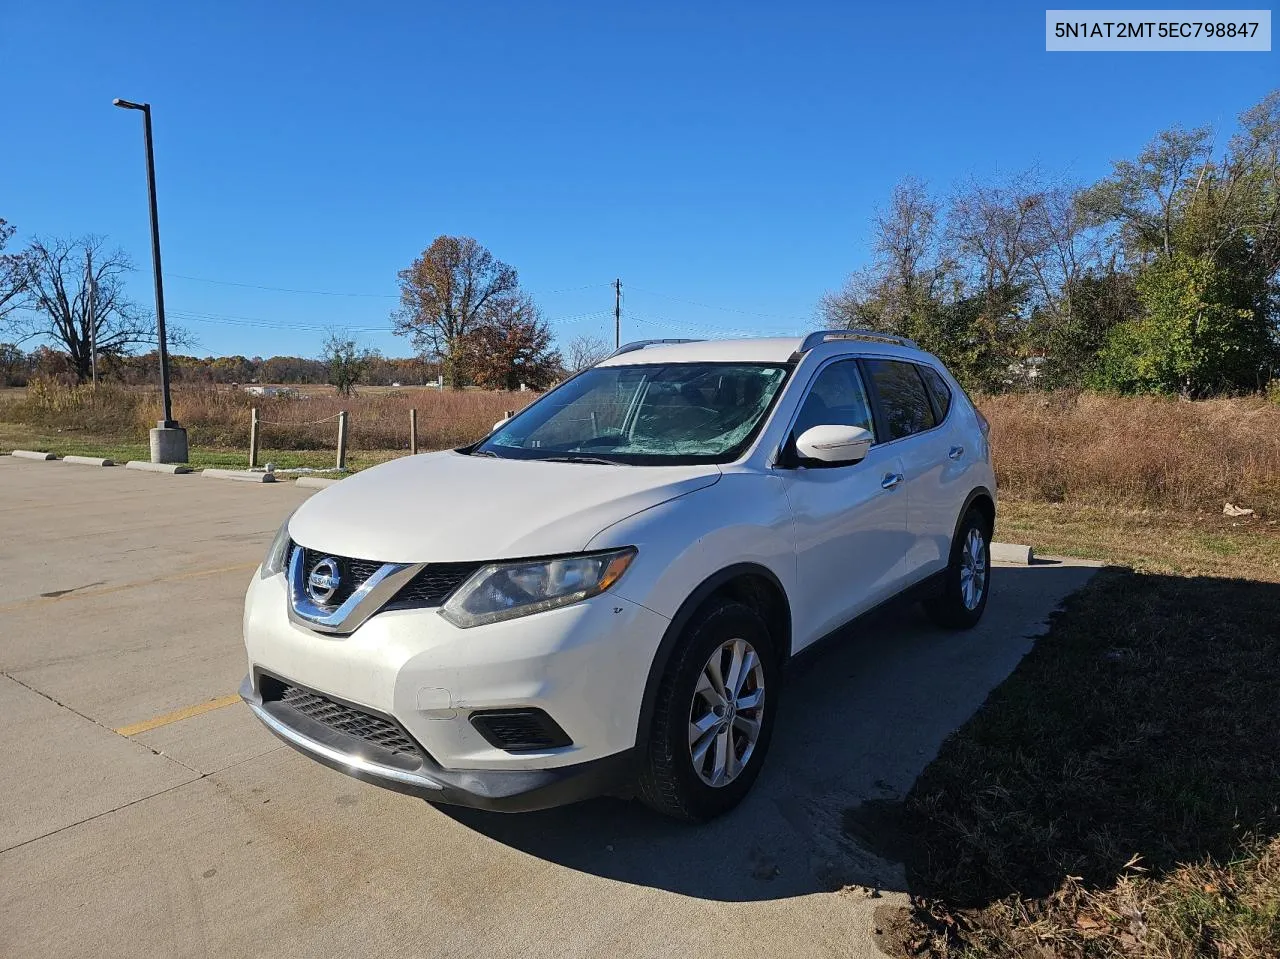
646, 414
902, 395
837, 398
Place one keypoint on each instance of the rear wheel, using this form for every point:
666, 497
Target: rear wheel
714, 715
966, 583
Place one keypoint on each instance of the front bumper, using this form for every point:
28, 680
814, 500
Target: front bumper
498, 790
583, 665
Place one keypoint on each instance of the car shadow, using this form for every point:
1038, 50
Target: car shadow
861, 719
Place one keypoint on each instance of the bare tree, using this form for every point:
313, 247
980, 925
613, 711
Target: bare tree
908, 269
584, 351
13, 273
990, 227
446, 293
71, 308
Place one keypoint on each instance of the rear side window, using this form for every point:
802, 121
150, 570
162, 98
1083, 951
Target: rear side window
938, 390
903, 398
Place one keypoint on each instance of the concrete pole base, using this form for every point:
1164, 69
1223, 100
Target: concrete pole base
169, 445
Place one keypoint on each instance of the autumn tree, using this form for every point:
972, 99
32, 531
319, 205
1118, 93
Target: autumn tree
75, 288
447, 294
512, 346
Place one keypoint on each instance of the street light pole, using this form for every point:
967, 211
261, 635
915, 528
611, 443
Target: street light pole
173, 448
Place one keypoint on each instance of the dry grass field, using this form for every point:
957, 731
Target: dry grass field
65, 420
1084, 449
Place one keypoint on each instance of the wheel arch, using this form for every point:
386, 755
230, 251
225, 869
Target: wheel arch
981, 498
752, 584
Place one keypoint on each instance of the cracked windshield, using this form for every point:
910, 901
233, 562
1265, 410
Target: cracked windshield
644, 414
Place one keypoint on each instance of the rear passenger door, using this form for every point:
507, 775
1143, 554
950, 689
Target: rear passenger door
907, 416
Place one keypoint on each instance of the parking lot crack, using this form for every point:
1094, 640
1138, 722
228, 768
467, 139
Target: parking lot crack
76, 712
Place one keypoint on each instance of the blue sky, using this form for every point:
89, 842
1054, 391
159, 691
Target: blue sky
722, 159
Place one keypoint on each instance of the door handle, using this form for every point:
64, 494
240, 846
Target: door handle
890, 480
956, 452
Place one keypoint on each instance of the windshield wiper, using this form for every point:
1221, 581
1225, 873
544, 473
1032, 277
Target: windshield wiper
486, 453
579, 459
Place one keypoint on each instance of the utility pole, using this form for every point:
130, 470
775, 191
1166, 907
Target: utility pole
617, 314
91, 292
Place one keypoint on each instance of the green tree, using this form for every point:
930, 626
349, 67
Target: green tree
347, 362
1193, 336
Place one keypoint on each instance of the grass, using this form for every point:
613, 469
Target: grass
1137, 452
1149, 541
217, 418
1119, 793
121, 451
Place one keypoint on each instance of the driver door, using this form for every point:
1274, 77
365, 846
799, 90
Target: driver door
850, 520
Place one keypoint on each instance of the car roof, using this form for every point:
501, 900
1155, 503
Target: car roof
752, 350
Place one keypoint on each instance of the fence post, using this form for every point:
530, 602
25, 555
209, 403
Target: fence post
413, 432
253, 438
509, 413
342, 440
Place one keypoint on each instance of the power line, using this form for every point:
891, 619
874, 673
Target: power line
684, 325
712, 306
263, 323
387, 296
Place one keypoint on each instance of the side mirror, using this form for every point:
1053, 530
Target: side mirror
834, 445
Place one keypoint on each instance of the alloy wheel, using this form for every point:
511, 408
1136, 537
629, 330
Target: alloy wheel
726, 713
973, 569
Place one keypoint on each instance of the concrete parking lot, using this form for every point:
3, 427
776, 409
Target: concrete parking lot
145, 812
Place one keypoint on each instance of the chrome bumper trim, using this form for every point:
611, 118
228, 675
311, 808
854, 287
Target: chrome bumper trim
308, 745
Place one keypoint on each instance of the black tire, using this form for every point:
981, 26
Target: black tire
949, 608
668, 782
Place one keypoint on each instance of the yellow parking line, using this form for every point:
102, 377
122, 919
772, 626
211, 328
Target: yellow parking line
78, 594
177, 715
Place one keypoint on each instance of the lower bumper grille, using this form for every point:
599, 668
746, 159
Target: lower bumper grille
380, 733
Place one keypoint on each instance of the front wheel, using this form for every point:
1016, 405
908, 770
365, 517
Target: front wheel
967, 581
714, 715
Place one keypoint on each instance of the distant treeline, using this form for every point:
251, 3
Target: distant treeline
18, 367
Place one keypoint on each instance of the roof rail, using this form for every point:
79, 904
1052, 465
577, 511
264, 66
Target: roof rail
641, 344
822, 336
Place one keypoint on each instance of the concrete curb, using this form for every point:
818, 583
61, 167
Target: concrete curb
245, 476
33, 455
1014, 553
174, 468
88, 460
316, 482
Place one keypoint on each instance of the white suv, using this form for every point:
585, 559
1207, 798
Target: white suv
604, 594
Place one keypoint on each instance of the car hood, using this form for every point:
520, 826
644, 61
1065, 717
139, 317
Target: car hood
445, 507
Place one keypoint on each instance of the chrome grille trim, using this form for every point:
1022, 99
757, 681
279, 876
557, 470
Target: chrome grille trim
369, 597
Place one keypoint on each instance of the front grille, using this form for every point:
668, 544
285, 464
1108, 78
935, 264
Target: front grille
434, 584
431, 587
340, 717
351, 572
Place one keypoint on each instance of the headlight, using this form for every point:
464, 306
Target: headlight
277, 552
507, 590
